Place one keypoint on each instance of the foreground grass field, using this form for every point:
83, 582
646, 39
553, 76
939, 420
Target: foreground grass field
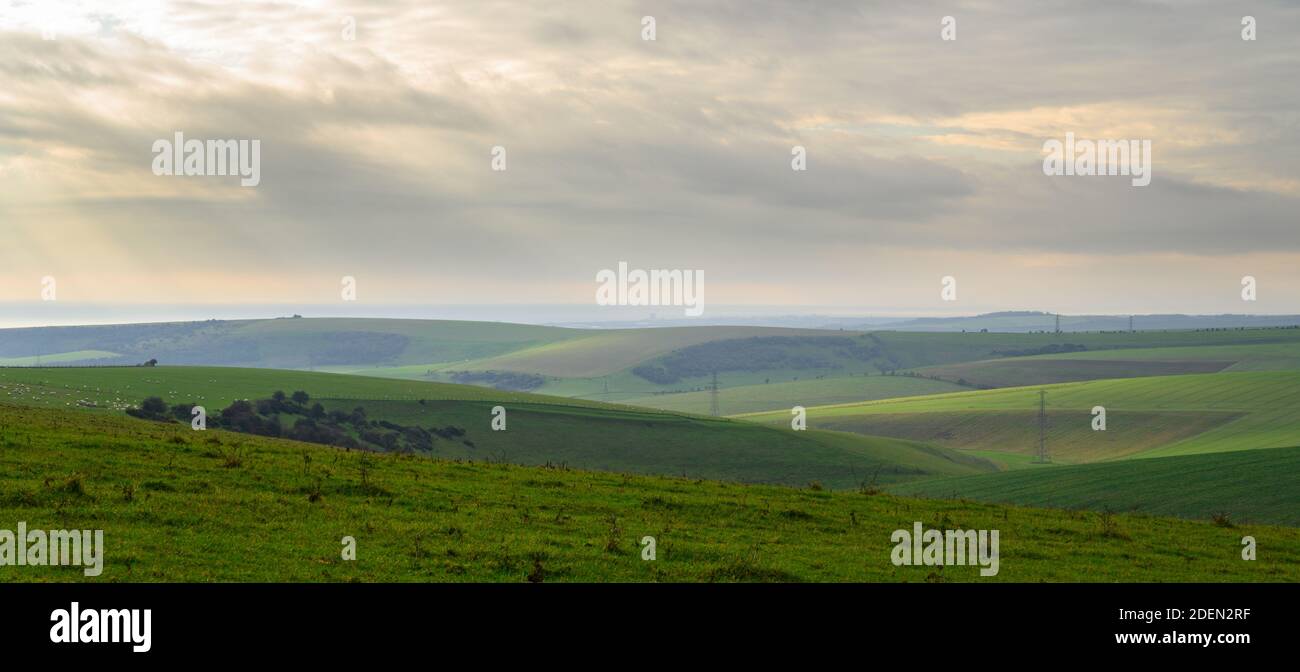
180, 505
540, 429
1257, 486
1146, 417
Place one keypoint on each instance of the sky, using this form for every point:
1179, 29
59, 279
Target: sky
377, 123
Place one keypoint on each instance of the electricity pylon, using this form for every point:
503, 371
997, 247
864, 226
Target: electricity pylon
713, 396
1043, 457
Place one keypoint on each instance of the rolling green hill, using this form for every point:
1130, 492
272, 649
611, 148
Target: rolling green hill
1261, 357
1257, 486
602, 353
415, 347
1021, 371
408, 348
60, 358
180, 505
680, 377
1120, 363
913, 349
814, 392
758, 369
1146, 417
540, 429
653, 363
287, 342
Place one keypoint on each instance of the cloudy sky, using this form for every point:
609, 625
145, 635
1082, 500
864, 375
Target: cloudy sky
924, 156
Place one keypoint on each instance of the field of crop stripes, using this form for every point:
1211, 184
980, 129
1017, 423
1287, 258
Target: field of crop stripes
1246, 391
1269, 402
1254, 486
1069, 432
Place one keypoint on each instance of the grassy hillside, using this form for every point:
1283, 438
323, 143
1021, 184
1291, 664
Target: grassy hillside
364, 343
680, 378
61, 358
540, 429
1021, 371
325, 342
218, 386
1147, 417
785, 395
1265, 357
1070, 438
179, 505
1257, 486
286, 343
964, 359
1120, 363
605, 352
912, 349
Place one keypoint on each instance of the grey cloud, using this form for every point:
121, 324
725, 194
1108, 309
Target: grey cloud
678, 149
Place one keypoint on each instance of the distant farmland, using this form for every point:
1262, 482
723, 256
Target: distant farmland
1147, 417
